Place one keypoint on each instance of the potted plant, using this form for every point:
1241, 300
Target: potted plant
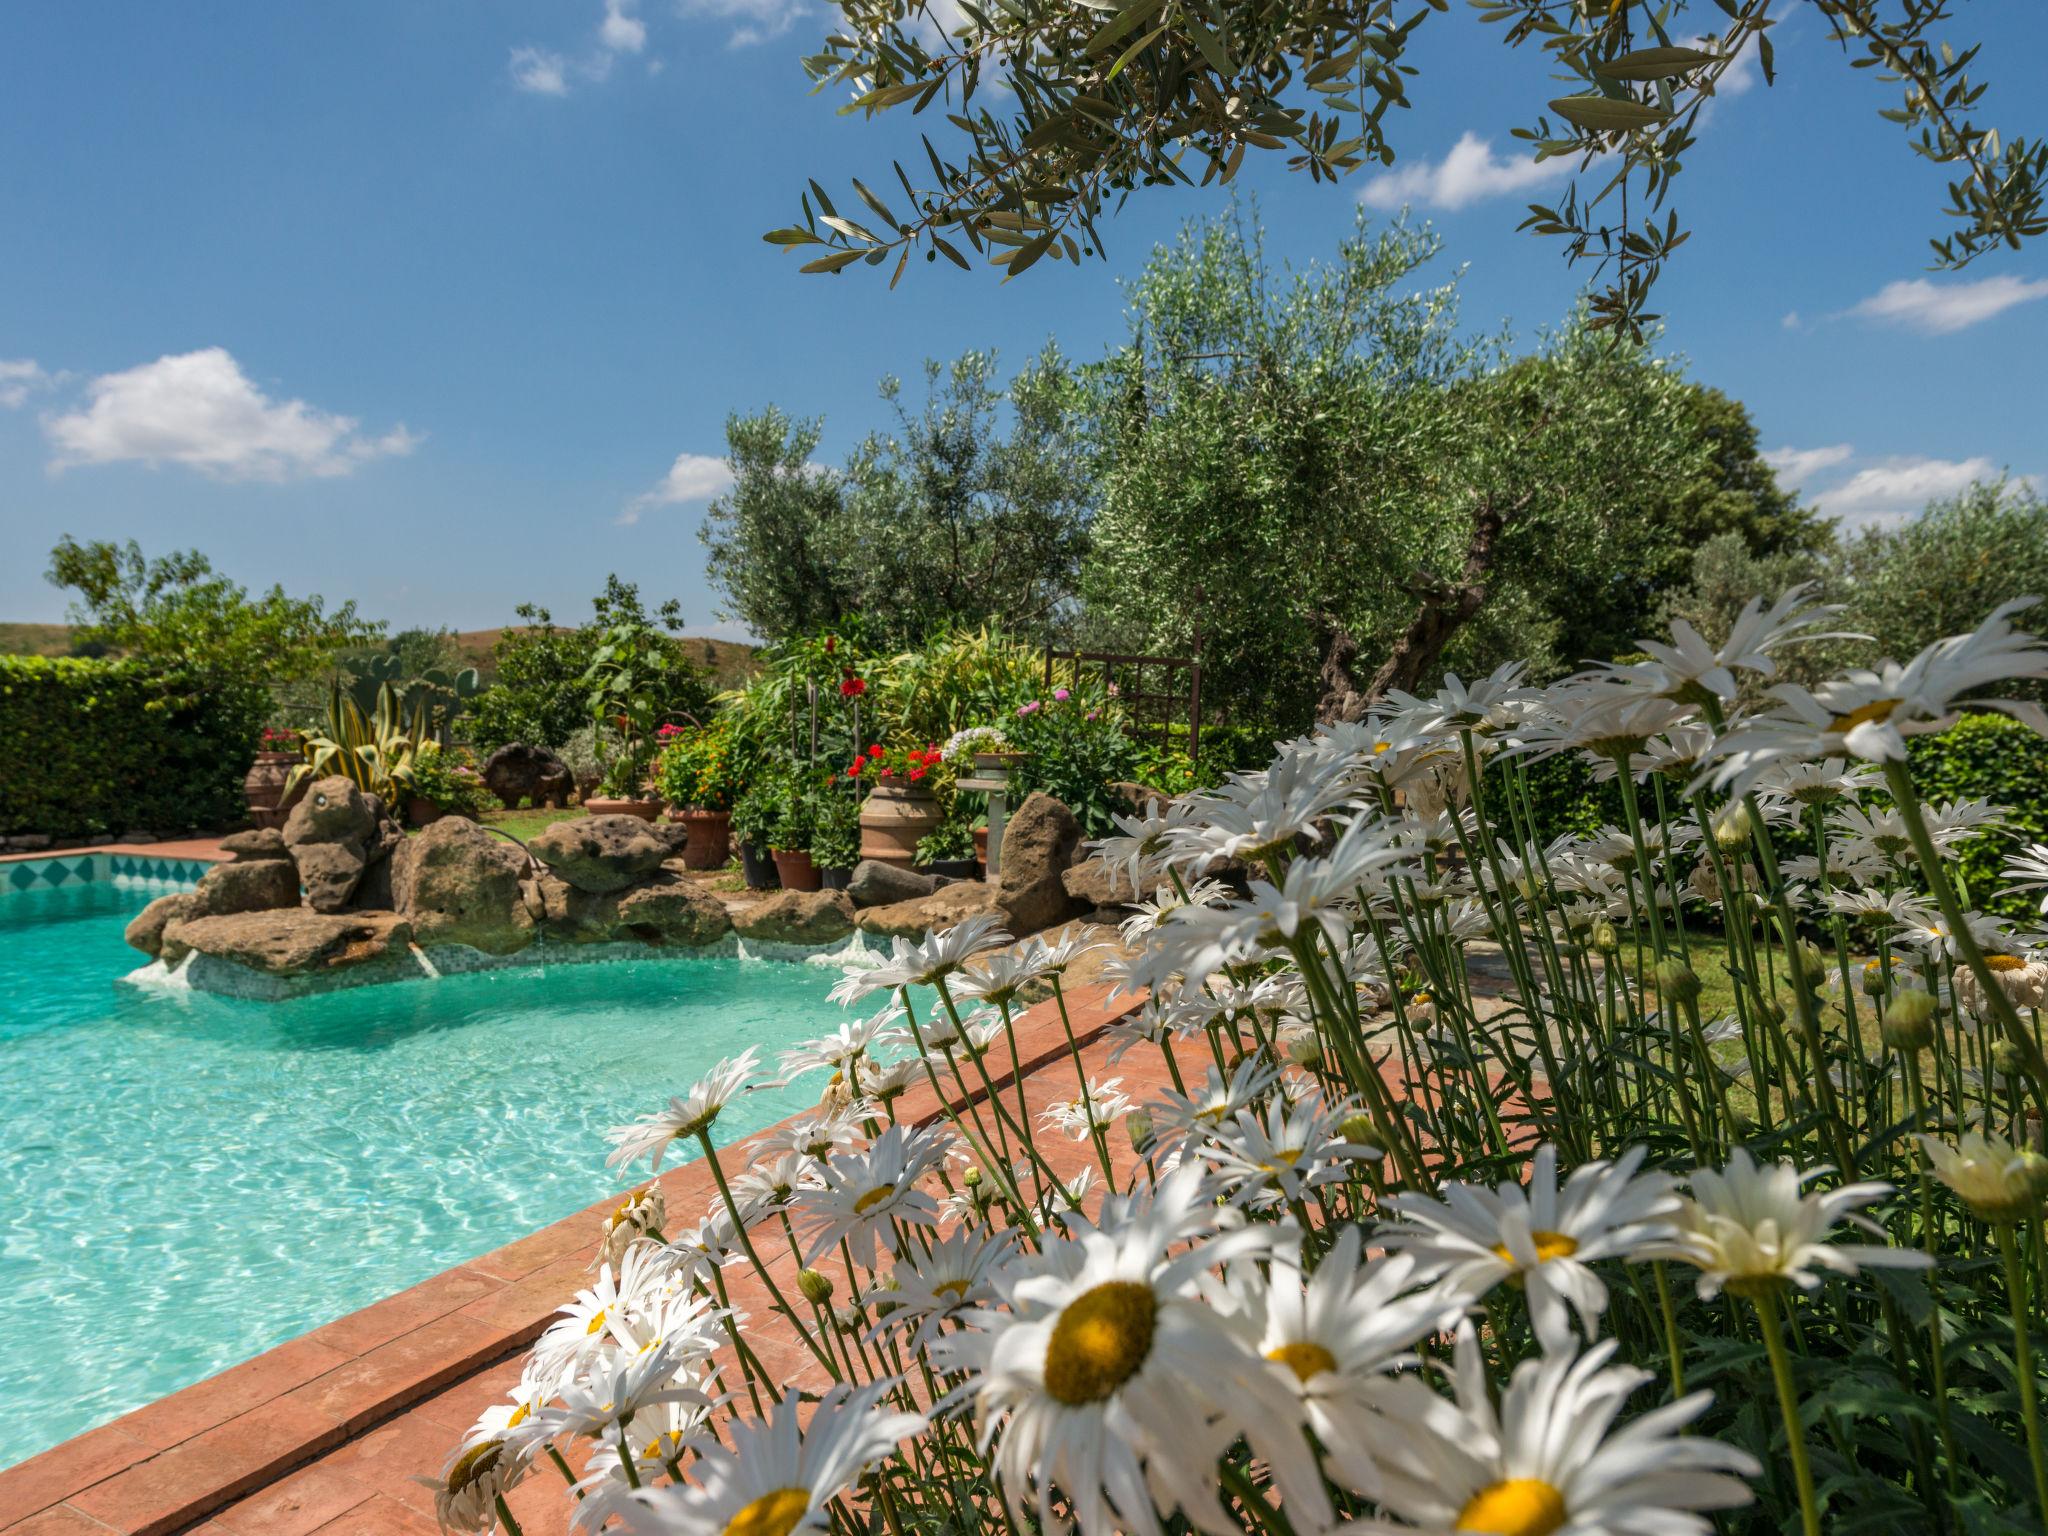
622, 791
835, 837
790, 841
694, 773
276, 751
949, 850
444, 783
627, 682
902, 805
754, 815
985, 746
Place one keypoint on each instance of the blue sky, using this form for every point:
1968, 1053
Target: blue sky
423, 302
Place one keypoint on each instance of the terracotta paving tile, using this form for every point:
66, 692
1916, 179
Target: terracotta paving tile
518, 1311
61, 1471
361, 1391
299, 1503
380, 1517
181, 1485
517, 1260
385, 1320
175, 1419
61, 1521
461, 1405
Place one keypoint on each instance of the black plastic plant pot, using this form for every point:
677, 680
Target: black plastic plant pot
835, 879
758, 865
952, 869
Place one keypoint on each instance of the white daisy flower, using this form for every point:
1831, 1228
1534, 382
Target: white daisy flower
1996, 1180
642, 1214
2028, 871
603, 1404
685, 1118
1108, 1380
1289, 1149
1069, 1117
929, 1287
837, 1051
1541, 1237
864, 1196
1550, 1460
777, 1477
1750, 1229
480, 1470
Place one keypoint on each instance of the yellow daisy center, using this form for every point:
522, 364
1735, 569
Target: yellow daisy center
473, 1465
873, 1198
1282, 1158
772, 1514
1304, 1358
2005, 963
1521, 1506
1549, 1245
596, 1321
1877, 711
953, 1288
1100, 1341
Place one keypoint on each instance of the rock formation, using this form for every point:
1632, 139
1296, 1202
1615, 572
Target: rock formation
517, 772
798, 917
948, 905
1041, 841
601, 853
457, 884
337, 835
875, 884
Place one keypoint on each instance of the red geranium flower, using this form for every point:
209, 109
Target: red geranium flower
854, 771
875, 750
831, 644
852, 687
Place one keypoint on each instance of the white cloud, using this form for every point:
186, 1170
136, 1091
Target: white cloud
621, 31
19, 379
693, 477
1939, 308
541, 72
1469, 173
756, 21
1895, 488
1796, 466
200, 410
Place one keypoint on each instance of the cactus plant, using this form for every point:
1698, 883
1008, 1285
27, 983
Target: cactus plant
373, 750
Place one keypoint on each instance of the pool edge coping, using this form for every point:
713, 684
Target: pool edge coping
172, 1463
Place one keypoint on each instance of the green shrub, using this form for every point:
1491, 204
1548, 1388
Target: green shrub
1995, 758
695, 768
447, 776
835, 829
1076, 751
91, 746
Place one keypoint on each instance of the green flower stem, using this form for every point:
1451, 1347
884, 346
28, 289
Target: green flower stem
562, 1467
1766, 1305
1671, 1346
1900, 783
739, 1227
505, 1517
2023, 1360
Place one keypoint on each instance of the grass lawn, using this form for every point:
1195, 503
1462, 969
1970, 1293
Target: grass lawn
524, 824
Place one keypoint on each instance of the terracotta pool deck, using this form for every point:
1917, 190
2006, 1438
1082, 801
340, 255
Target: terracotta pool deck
327, 1432
203, 848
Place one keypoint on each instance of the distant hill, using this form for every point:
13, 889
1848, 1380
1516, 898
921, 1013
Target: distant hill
35, 639
729, 662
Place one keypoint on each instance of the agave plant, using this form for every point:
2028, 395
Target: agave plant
373, 751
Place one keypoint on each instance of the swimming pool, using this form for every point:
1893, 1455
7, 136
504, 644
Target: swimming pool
187, 1180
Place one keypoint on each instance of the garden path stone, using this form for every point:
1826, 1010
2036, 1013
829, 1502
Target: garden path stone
940, 910
600, 854
1040, 843
457, 884
875, 884
797, 917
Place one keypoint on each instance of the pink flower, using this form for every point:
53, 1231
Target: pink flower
1030, 708
1061, 694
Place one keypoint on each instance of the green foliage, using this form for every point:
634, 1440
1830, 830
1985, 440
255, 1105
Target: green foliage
95, 746
374, 751
807, 686
956, 679
957, 517
695, 768
835, 828
447, 776
757, 813
1075, 750
542, 695
1995, 758
186, 620
951, 839
1093, 103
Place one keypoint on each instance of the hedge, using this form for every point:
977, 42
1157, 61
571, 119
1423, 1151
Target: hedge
91, 746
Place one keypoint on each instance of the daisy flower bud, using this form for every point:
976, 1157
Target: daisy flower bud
815, 1285
1732, 828
1676, 980
1606, 938
2006, 1060
1908, 1021
1999, 1182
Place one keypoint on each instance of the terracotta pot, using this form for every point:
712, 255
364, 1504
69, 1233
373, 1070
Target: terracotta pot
892, 820
794, 868
646, 810
981, 846
759, 868
264, 787
710, 844
421, 812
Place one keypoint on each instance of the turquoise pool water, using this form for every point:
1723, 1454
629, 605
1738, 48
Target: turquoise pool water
187, 1180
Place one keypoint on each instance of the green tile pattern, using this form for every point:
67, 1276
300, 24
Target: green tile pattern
84, 868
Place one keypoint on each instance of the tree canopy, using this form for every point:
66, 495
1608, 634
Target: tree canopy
1097, 100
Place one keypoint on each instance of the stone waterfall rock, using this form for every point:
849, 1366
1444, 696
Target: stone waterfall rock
146, 930
669, 910
336, 835
457, 884
875, 884
291, 941
256, 844
599, 854
257, 886
948, 905
1040, 842
797, 917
